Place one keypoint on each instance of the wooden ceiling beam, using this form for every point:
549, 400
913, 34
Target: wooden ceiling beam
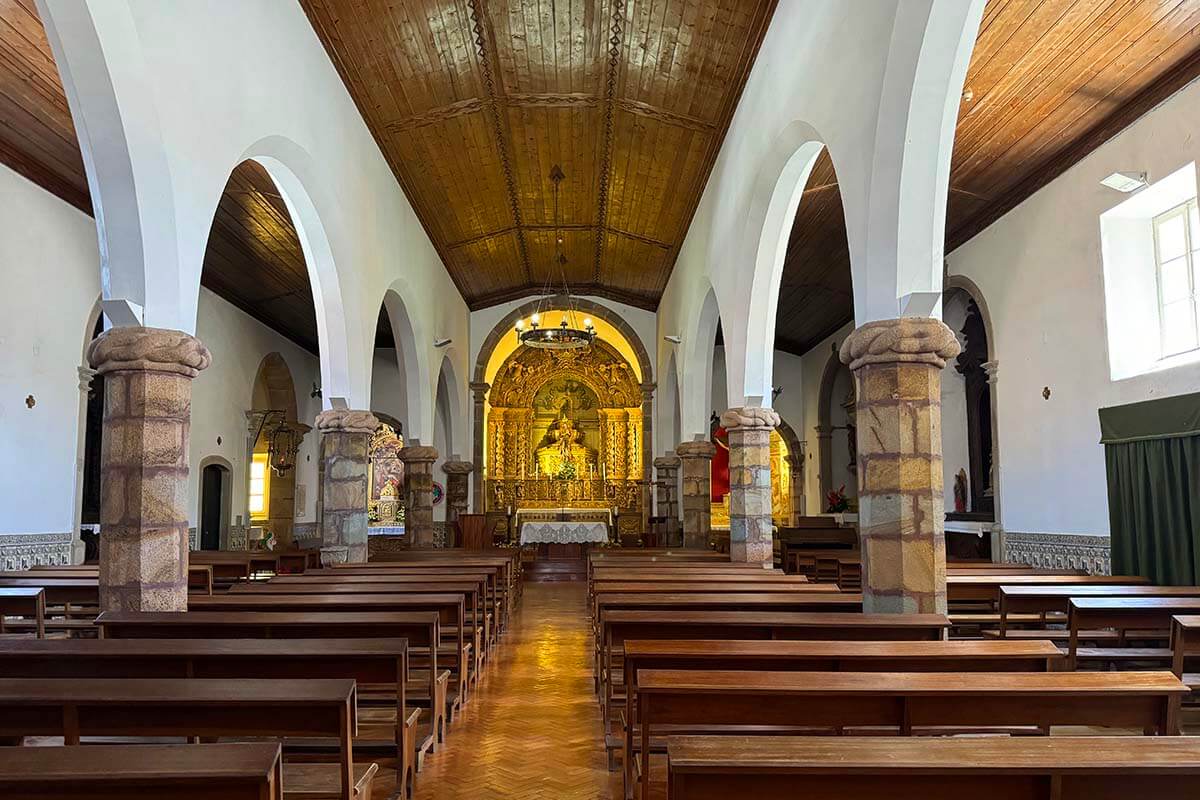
612, 73
592, 290
484, 41
582, 227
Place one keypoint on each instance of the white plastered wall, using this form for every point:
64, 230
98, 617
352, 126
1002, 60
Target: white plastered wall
45, 243
258, 85
1040, 270
886, 122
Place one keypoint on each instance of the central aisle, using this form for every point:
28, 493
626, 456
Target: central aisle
532, 730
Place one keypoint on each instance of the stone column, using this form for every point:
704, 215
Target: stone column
418, 494
668, 487
749, 432
456, 487
478, 397
897, 366
345, 441
696, 461
148, 376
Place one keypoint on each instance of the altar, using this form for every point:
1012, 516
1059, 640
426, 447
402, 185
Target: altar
563, 525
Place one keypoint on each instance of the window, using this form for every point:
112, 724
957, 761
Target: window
1177, 262
260, 486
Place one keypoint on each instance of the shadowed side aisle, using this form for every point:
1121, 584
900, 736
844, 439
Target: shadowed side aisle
533, 730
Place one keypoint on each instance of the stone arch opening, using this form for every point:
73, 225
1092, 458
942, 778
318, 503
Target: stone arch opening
270, 493
837, 444
216, 504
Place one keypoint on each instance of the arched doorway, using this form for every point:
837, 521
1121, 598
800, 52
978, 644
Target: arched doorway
215, 503
969, 425
272, 427
837, 434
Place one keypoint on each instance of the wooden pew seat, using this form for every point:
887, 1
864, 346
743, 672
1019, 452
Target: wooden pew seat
1078, 768
113, 772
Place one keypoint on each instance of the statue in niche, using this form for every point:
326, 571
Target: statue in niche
960, 491
562, 452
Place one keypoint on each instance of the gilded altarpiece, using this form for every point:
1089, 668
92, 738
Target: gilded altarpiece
564, 428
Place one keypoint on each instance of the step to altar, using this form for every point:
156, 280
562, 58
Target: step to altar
543, 570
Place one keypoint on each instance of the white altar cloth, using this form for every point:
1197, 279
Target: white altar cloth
563, 532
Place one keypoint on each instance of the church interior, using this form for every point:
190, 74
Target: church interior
580, 399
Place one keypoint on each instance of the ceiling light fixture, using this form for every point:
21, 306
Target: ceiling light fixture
569, 334
1126, 181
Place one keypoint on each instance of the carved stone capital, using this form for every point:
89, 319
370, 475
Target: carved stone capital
749, 417
418, 453
457, 467
695, 450
345, 420
148, 349
921, 340
480, 390
667, 462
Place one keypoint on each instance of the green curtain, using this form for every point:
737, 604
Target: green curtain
1152, 455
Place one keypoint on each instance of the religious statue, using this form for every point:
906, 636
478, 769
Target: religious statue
960, 491
563, 451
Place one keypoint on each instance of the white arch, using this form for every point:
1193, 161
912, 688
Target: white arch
776, 195
344, 371
696, 381
99, 57
413, 361
448, 393
670, 417
896, 260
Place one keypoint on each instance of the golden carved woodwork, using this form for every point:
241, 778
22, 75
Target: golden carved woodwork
385, 477
548, 408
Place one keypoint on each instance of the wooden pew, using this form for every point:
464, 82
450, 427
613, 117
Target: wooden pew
498, 595
199, 575
903, 701
420, 629
24, 601
505, 579
618, 626
822, 656
484, 580
369, 662
1185, 645
1043, 600
1123, 614
154, 707
985, 589
449, 607
252, 771
473, 593
991, 768
606, 589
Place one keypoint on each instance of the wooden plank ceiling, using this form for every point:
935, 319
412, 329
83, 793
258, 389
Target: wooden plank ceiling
1049, 81
473, 101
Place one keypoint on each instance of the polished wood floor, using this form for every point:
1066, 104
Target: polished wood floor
532, 730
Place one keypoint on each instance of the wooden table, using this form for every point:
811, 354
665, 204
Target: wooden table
251, 771
1050, 598
986, 588
1123, 614
991, 768
822, 656
24, 601
153, 707
903, 700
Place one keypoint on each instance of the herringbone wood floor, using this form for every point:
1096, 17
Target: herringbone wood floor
532, 731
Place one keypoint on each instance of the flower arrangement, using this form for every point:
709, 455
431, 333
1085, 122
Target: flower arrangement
567, 471
837, 501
